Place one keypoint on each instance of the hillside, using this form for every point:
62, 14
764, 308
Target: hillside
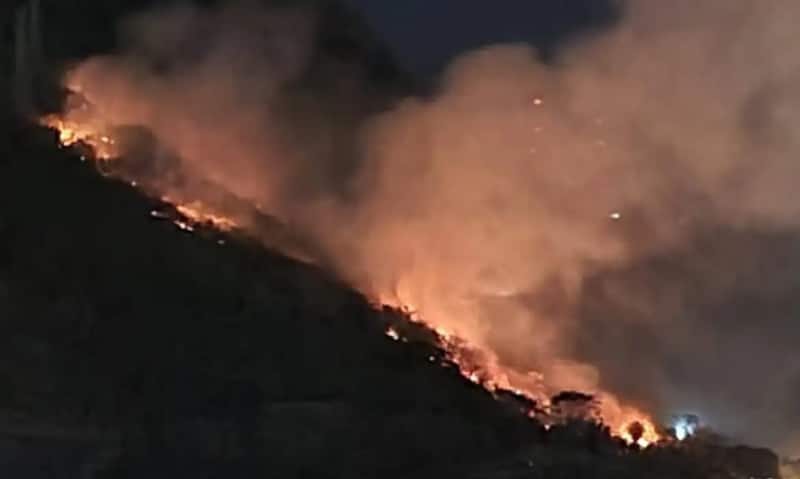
129, 341
122, 327
133, 349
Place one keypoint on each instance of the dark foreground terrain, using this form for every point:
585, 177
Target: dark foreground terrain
132, 349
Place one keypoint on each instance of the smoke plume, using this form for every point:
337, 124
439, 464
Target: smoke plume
622, 220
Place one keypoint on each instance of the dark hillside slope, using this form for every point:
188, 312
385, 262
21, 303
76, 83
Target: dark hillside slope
121, 326
135, 349
130, 348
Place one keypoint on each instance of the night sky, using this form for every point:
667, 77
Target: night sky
426, 34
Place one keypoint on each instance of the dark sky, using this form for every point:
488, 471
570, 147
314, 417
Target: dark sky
426, 34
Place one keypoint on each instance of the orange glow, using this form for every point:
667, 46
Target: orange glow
649, 437
198, 213
477, 363
104, 147
72, 132
481, 366
194, 214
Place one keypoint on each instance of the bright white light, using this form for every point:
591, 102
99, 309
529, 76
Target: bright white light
393, 334
616, 216
685, 426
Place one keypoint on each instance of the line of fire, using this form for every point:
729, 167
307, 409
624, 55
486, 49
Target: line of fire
132, 155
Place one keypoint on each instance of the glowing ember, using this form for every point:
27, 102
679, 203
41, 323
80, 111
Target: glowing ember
477, 364
193, 214
482, 367
199, 213
104, 147
72, 133
639, 431
184, 226
159, 214
392, 333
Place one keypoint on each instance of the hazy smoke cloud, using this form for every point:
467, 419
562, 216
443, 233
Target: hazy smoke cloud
622, 221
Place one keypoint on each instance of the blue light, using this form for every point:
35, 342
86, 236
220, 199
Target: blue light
685, 426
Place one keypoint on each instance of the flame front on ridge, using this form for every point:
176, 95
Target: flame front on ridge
479, 365
71, 132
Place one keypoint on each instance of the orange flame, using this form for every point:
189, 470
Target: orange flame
483, 367
478, 365
104, 147
71, 133
199, 213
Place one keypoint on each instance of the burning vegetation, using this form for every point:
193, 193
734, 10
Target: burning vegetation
513, 213
72, 132
199, 213
475, 364
482, 367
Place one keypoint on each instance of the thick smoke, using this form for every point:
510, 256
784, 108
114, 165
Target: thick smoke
622, 220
